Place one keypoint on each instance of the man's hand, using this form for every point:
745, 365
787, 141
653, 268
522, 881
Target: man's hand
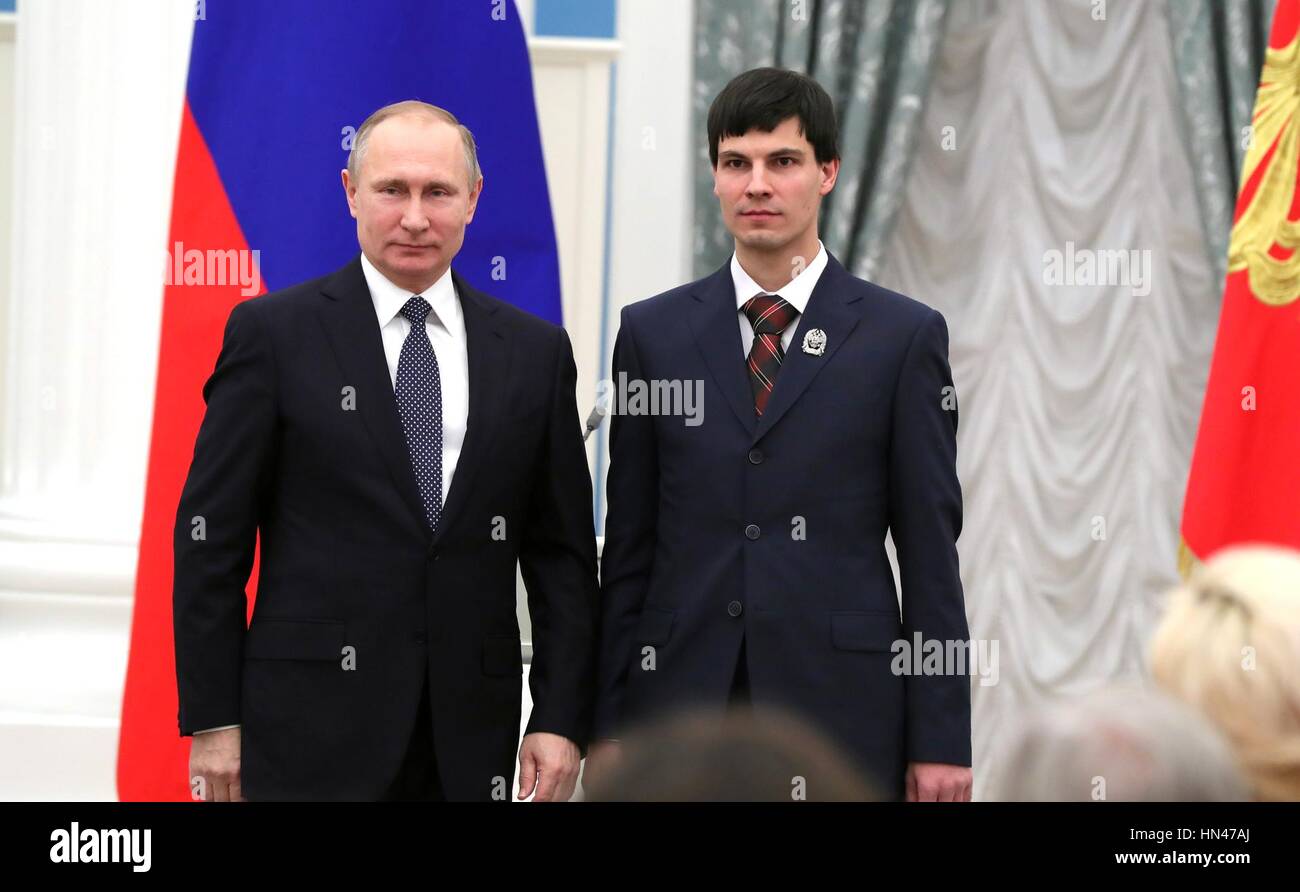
937, 782
214, 766
555, 759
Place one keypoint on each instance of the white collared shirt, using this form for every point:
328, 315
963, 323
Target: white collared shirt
795, 292
445, 326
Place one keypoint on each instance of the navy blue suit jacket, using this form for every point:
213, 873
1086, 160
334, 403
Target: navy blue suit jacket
772, 529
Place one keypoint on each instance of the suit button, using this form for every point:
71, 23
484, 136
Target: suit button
752, 531
433, 553
735, 608
418, 638
756, 456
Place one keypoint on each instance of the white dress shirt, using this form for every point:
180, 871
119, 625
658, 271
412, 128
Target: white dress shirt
445, 326
795, 292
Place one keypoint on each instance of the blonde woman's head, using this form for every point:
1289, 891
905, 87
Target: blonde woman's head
1229, 645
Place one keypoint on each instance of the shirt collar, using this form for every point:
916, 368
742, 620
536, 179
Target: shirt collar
389, 298
796, 292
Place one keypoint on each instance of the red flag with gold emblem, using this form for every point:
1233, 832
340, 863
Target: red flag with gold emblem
1244, 484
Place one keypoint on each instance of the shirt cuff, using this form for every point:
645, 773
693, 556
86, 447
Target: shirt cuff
221, 728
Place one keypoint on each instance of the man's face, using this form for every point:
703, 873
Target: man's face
412, 199
770, 186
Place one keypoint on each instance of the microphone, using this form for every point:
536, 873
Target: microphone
597, 416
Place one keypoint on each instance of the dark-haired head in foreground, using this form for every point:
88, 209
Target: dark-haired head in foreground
748, 756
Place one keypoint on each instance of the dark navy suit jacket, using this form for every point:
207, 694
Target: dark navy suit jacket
772, 529
347, 559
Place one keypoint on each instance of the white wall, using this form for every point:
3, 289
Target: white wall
572, 85
652, 217
6, 158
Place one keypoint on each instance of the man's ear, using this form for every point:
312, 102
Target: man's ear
830, 173
715, 180
350, 192
473, 199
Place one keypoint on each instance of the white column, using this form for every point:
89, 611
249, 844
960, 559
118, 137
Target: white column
99, 91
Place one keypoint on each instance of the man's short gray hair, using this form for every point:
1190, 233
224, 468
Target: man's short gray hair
1120, 743
412, 107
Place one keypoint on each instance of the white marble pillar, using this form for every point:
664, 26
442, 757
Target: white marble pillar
98, 96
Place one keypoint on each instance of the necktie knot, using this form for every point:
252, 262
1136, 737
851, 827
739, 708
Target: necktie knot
768, 313
416, 309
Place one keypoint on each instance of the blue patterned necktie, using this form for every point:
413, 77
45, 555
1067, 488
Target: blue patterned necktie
419, 402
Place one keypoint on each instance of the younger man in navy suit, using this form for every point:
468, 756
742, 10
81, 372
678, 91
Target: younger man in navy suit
744, 556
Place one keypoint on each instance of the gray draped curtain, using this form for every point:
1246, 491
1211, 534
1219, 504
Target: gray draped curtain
874, 57
1218, 48
1080, 399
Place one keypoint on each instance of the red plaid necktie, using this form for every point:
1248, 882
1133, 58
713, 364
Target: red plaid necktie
770, 315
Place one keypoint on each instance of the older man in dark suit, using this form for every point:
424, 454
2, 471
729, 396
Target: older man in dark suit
400, 441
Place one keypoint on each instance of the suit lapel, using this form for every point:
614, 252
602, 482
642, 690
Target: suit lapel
348, 316
717, 332
831, 308
489, 370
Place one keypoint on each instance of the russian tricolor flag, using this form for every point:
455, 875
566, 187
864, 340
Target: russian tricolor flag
276, 89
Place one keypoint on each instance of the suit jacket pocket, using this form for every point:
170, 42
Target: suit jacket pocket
294, 639
856, 630
502, 657
655, 627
